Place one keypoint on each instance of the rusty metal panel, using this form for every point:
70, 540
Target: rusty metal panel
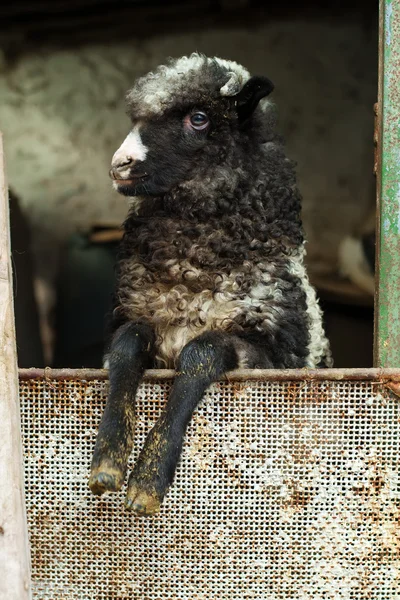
387, 306
286, 490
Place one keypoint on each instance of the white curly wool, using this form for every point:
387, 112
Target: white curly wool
318, 346
63, 117
163, 86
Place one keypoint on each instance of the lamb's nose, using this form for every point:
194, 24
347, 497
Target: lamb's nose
119, 163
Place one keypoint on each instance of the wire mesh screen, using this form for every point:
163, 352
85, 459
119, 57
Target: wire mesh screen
286, 490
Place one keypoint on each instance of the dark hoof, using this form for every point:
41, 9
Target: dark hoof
105, 480
144, 504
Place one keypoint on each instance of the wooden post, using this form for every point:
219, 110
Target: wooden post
14, 545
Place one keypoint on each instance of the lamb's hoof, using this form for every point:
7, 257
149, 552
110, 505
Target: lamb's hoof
105, 480
144, 504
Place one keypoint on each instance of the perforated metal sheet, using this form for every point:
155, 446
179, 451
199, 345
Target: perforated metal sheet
285, 490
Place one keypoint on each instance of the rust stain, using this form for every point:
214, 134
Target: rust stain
377, 483
297, 499
394, 387
376, 374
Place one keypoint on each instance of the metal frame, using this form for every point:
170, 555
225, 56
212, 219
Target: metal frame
387, 298
381, 375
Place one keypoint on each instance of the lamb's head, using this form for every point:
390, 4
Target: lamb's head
187, 117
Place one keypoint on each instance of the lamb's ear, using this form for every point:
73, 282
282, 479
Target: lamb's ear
250, 95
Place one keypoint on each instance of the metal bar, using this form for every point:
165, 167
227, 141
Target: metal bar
14, 544
239, 375
387, 301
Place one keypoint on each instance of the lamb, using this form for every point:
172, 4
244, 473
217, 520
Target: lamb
210, 276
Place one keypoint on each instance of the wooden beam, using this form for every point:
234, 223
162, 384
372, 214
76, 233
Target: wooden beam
14, 546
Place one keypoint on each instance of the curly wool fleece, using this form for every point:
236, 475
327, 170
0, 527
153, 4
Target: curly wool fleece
214, 239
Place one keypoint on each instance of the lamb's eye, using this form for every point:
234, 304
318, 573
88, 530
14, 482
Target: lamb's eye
199, 120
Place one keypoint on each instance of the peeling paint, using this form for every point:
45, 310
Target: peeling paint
388, 15
386, 225
398, 206
387, 307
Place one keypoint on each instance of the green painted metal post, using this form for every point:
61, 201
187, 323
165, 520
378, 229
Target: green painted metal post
387, 300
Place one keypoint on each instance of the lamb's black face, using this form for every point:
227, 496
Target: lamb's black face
161, 152
185, 121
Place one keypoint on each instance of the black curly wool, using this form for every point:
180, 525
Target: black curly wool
217, 211
210, 273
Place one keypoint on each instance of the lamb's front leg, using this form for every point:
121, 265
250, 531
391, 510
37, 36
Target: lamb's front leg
202, 361
131, 348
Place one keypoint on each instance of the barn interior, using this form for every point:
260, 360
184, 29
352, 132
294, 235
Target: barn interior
64, 71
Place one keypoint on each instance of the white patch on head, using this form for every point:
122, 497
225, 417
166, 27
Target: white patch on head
232, 87
156, 91
318, 347
354, 265
234, 68
238, 76
132, 147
